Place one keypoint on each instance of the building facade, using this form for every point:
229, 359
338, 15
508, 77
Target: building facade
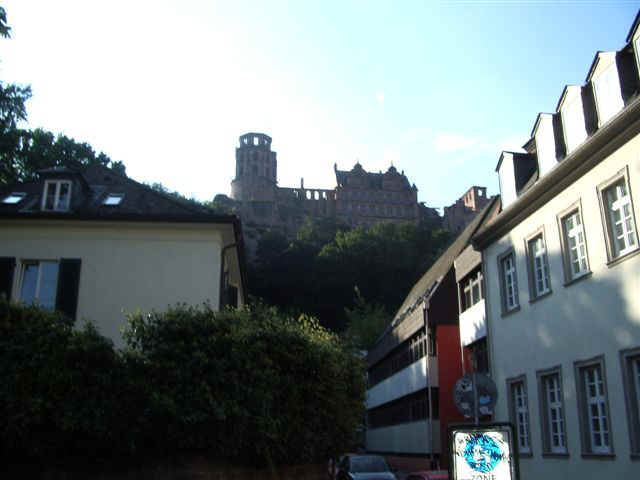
561, 270
413, 367
95, 245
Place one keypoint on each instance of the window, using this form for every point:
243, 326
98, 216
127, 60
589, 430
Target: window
472, 290
39, 283
593, 407
519, 410
15, 197
49, 283
113, 199
630, 361
480, 355
554, 437
574, 246
410, 408
57, 195
607, 93
539, 283
618, 217
508, 281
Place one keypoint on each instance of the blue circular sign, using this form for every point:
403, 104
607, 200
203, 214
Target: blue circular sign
482, 453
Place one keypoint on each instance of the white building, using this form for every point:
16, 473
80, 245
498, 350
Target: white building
95, 245
562, 277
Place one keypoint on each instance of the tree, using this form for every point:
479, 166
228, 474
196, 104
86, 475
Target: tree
365, 322
4, 28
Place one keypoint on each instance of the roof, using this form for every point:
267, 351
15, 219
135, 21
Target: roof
93, 184
634, 27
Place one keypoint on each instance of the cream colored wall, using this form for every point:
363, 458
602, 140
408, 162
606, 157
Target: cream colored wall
125, 266
597, 315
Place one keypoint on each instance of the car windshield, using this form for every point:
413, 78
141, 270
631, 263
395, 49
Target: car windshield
368, 464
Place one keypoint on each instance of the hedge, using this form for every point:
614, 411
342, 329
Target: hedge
249, 386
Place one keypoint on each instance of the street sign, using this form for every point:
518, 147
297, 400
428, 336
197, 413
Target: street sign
475, 390
483, 453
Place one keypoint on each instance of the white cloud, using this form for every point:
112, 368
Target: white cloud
380, 97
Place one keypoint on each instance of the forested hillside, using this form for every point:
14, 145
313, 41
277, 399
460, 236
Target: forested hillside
329, 269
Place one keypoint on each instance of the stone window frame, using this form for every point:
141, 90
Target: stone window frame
602, 188
511, 383
531, 269
501, 274
631, 384
580, 366
569, 278
547, 449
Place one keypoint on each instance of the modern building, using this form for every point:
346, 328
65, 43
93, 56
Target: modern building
413, 367
95, 245
562, 276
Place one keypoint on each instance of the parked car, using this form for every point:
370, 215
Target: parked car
429, 475
364, 467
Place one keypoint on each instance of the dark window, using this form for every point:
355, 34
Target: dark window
410, 408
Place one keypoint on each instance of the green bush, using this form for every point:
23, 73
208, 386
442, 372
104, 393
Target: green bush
251, 386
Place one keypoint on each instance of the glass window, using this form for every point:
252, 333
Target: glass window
593, 407
622, 229
39, 283
14, 198
57, 195
631, 378
113, 199
576, 248
552, 410
539, 266
509, 282
520, 413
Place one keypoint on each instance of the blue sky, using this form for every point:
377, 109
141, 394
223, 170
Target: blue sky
437, 88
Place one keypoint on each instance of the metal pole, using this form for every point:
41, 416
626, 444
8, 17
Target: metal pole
425, 308
475, 398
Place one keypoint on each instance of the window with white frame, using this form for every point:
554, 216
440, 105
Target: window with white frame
618, 216
630, 361
608, 95
520, 412
594, 409
39, 283
57, 195
508, 281
471, 290
552, 412
538, 266
574, 244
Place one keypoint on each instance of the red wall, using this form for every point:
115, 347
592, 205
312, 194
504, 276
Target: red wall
449, 371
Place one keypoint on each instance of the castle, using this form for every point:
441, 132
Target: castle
359, 198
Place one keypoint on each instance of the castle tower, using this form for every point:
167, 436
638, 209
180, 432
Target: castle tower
256, 169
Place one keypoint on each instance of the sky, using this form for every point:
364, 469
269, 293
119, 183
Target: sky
438, 89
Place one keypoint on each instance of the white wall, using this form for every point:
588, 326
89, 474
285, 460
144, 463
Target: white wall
597, 315
473, 324
408, 380
405, 438
125, 267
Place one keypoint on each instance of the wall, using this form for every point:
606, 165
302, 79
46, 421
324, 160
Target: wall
597, 315
406, 438
125, 266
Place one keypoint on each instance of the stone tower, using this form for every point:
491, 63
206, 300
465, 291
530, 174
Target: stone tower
256, 169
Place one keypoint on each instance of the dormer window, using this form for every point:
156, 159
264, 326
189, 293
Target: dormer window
57, 195
15, 197
608, 96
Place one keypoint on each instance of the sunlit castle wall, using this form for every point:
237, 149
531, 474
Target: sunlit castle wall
256, 169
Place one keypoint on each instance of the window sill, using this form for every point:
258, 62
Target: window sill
622, 258
541, 296
586, 274
506, 313
555, 455
601, 456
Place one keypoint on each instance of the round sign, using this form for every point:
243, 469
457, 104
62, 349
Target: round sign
464, 398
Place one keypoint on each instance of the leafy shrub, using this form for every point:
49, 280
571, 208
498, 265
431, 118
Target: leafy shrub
252, 386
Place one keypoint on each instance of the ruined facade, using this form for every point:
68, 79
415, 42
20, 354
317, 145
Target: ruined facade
359, 198
460, 214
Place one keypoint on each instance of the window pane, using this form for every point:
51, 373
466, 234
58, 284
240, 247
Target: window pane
48, 284
50, 195
29, 283
64, 196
